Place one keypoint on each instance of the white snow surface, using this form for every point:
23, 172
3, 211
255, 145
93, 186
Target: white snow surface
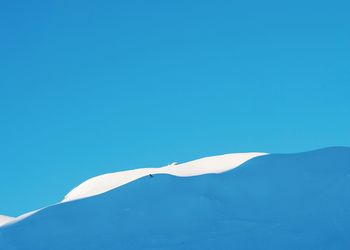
5, 219
208, 165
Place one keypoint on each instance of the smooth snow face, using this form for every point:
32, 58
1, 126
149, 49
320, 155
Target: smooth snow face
5, 219
208, 165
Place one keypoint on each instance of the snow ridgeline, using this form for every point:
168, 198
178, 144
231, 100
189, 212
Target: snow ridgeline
208, 165
106, 182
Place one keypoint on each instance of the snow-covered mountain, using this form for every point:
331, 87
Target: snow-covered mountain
276, 201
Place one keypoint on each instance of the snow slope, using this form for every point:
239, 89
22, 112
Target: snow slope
284, 201
207, 165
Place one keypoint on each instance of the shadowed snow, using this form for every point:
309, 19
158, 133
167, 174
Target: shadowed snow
279, 201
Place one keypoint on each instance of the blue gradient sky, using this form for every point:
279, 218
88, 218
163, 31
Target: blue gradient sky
94, 87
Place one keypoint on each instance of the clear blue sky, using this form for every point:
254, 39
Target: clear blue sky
94, 87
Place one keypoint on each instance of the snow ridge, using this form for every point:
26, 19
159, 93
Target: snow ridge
208, 165
106, 182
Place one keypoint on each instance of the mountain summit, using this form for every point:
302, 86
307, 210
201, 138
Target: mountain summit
276, 201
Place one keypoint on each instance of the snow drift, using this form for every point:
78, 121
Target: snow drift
278, 201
